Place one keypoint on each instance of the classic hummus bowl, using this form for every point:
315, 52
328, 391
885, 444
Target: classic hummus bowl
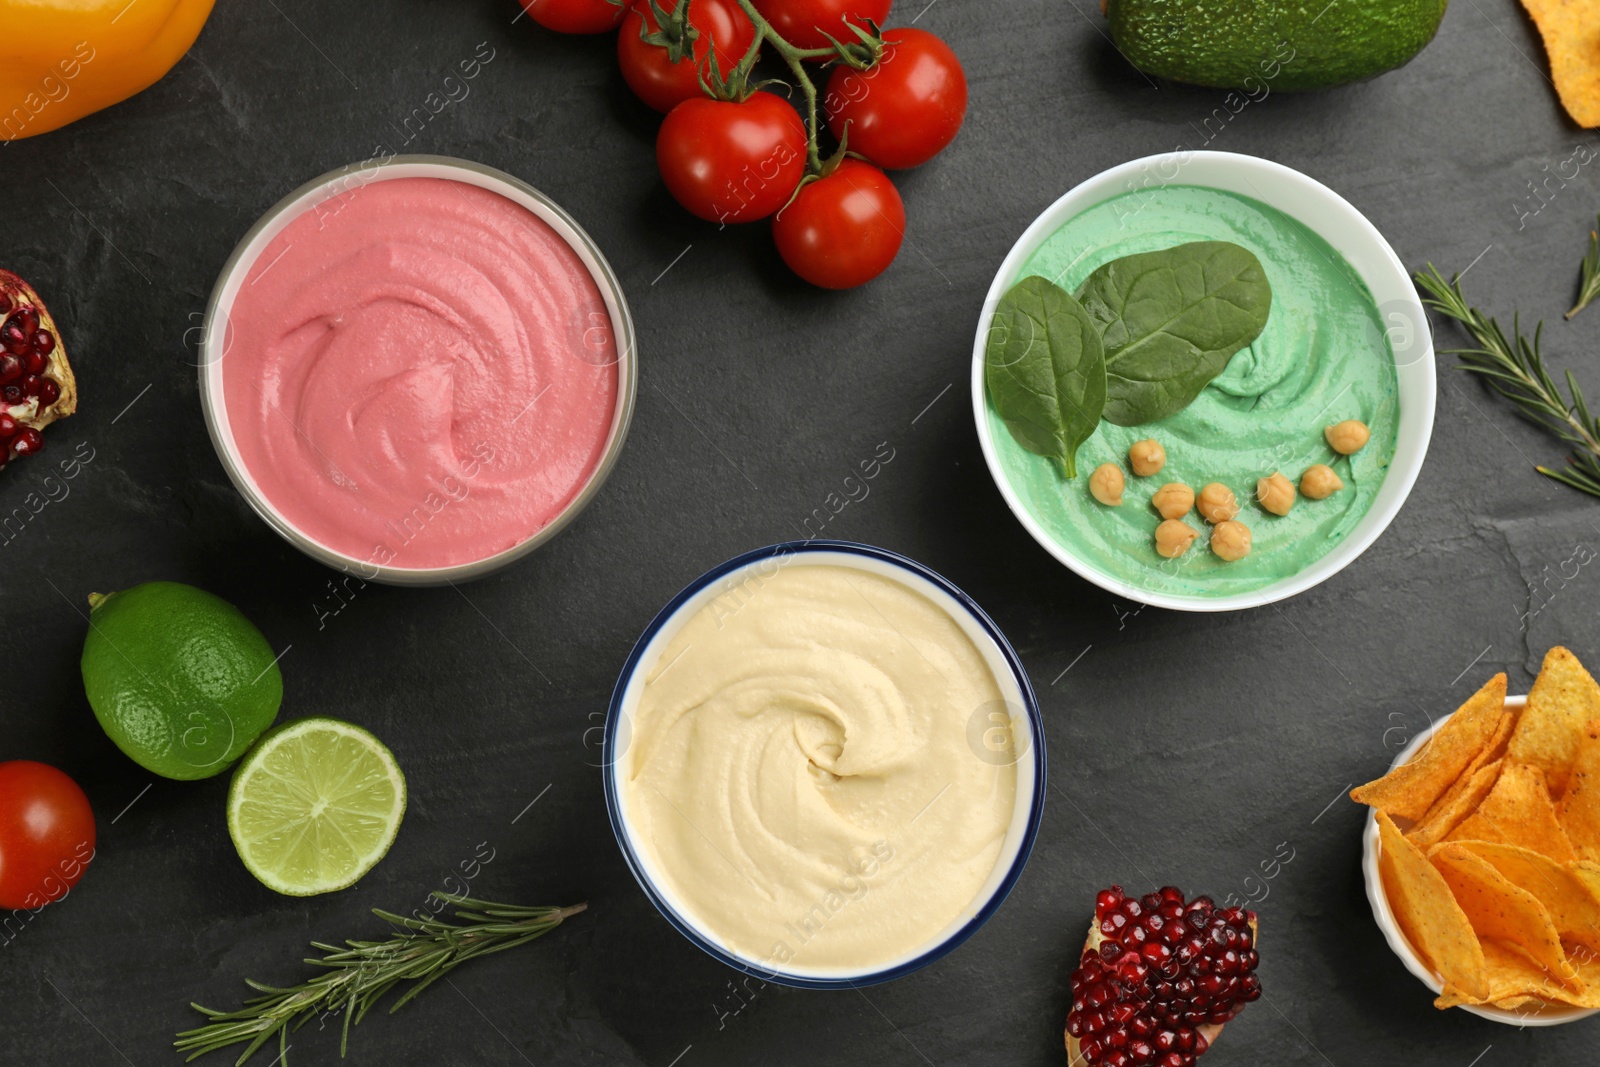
417, 369
824, 764
1346, 339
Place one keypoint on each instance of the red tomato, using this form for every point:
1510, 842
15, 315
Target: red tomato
46, 834
843, 230
657, 80
904, 110
803, 22
575, 16
730, 162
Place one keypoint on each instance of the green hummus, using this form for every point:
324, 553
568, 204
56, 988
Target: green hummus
1322, 358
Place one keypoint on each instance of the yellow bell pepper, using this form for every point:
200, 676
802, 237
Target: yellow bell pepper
63, 59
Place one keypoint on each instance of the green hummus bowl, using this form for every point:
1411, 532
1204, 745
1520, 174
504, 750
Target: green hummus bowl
1346, 339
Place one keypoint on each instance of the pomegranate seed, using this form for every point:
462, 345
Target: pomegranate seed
1164, 968
8, 426
44, 342
14, 339
34, 363
12, 393
5, 303
27, 442
31, 383
49, 392
27, 318
11, 368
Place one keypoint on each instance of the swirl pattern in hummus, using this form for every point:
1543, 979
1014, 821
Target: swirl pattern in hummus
419, 372
801, 771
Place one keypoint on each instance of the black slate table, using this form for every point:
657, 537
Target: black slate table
1183, 748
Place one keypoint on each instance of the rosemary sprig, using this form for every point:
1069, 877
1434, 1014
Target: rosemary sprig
1516, 371
1589, 282
358, 975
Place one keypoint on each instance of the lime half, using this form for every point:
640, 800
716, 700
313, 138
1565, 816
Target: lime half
315, 805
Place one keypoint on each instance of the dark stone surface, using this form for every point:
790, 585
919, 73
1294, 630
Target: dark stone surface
1183, 748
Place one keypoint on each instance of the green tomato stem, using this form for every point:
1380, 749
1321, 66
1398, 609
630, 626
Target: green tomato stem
793, 57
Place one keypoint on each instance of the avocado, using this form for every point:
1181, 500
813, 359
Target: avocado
1280, 44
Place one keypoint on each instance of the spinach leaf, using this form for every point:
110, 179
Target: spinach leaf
1045, 370
1169, 322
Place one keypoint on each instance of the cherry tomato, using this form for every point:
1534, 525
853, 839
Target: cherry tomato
730, 162
906, 108
46, 834
575, 16
803, 22
843, 230
653, 76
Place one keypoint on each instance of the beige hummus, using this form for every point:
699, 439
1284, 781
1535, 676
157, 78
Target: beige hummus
815, 772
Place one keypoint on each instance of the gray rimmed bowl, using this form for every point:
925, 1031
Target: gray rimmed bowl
216, 339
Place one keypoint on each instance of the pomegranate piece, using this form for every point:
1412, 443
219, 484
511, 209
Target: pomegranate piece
37, 386
1159, 976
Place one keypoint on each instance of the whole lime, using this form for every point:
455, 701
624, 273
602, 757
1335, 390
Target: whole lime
179, 679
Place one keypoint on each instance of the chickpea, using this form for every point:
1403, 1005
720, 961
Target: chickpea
1146, 457
1217, 503
1173, 538
1106, 484
1173, 500
1348, 436
1230, 540
1319, 482
1276, 493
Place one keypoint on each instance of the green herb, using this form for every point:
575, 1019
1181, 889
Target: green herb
1516, 371
359, 975
1045, 370
1589, 282
1169, 322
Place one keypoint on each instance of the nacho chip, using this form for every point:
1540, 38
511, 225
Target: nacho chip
1571, 32
1428, 914
1563, 698
1579, 810
1518, 811
1572, 905
1456, 805
1499, 911
1408, 791
1516, 983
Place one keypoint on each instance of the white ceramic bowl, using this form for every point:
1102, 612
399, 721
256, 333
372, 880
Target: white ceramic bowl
1331, 218
342, 182
1553, 1015
1027, 730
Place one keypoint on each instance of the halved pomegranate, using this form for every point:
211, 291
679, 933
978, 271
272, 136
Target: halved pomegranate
36, 382
1158, 978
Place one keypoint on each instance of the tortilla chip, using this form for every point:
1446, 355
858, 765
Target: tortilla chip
1579, 810
1573, 906
1516, 983
1428, 914
1518, 811
1461, 801
1499, 911
1571, 32
1563, 698
1408, 791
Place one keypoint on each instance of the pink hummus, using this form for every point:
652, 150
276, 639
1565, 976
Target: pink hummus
420, 373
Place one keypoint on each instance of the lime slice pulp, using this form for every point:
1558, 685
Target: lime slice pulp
315, 805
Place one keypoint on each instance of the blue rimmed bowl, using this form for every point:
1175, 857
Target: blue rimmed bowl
1027, 734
